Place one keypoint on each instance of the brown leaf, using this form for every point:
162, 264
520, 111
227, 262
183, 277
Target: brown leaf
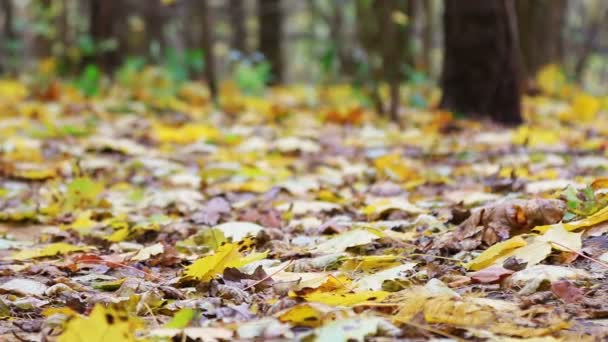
567, 291
490, 274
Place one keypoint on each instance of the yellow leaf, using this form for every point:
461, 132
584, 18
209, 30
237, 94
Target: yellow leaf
342, 241
448, 311
12, 90
561, 239
369, 263
34, 172
83, 222
489, 256
395, 167
393, 203
411, 304
531, 254
598, 217
185, 134
305, 315
58, 248
551, 79
102, 325
226, 256
536, 136
346, 298
82, 192
585, 107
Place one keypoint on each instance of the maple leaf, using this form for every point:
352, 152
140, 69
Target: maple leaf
211, 266
102, 325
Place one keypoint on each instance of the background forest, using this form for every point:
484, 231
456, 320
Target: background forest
259, 42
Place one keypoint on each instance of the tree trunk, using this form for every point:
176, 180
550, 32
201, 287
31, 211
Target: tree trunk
540, 23
154, 20
237, 21
270, 16
593, 32
8, 33
207, 43
395, 48
482, 67
101, 28
427, 35
8, 29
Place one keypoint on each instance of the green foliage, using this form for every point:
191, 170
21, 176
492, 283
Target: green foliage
252, 77
88, 81
129, 69
181, 66
582, 202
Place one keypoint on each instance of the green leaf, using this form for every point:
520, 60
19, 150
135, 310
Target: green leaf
181, 319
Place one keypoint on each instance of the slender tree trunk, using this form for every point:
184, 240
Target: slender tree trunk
540, 23
154, 20
590, 38
386, 56
101, 28
336, 31
428, 34
7, 10
270, 16
207, 43
396, 52
237, 21
482, 67
8, 33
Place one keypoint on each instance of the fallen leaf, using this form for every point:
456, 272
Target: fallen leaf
345, 240
148, 252
54, 249
490, 274
103, 324
24, 287
228, 255
373, 282
237, 231
351, 329
567, 291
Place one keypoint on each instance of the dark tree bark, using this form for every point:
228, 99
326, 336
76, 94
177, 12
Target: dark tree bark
427, 35
237, 22
540, 26
270, 16
482, 64
207, 43
154, 13
8, 32
101, 27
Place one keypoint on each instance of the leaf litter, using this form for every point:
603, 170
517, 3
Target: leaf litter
290, 220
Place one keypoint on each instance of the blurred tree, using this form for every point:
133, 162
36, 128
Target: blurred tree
386, 56
8, 33
540, 27
101, 19
237, 22
270, 17
207, 42
593, 30
430, 7
154, 15
482, 65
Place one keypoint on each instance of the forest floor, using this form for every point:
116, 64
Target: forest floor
134, 216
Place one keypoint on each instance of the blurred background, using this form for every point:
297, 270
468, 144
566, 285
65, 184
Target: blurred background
260, 42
